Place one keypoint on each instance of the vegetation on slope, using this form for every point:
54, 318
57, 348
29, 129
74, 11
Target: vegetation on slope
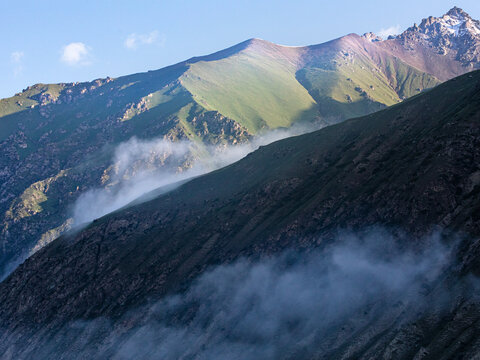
347, 81
256, 87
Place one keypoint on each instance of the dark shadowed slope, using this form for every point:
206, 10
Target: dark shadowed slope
412, 168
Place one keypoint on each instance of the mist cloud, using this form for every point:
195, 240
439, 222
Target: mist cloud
133, 41
16, 58
286, 306
140, 166
296, 304
384, 33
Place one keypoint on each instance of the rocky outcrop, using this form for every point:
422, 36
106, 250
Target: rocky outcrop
370, 36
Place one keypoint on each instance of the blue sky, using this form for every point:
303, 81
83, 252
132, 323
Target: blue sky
63, 41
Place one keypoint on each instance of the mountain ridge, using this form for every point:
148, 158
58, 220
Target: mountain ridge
388, 169
222, 99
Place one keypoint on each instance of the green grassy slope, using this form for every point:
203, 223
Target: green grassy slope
406, 80
349, 77
263, 85
30, 97
256, 87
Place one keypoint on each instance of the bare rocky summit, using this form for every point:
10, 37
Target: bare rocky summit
455, 32
443, 46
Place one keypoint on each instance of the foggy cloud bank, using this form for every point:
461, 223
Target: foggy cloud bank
285, 306
292, 305
139, 167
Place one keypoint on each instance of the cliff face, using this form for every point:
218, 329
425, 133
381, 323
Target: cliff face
411, 168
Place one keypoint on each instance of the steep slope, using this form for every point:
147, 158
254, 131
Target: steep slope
256, 87
352, 76
263, 86
412, 167
57, 141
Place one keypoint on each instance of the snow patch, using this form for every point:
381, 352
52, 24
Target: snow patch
452, 24
459, 25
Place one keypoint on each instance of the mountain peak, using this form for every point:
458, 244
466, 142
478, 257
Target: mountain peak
454, 33
259, 43
455, 23
257, 40
457, 13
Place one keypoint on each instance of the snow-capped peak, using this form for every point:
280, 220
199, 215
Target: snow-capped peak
454, 33
455, 23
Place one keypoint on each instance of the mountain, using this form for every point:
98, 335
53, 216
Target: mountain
411, 168
58, 141
444, 47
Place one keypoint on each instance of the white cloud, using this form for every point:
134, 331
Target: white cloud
76, 53
143, 166
392, 30
16, 58
134, 40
